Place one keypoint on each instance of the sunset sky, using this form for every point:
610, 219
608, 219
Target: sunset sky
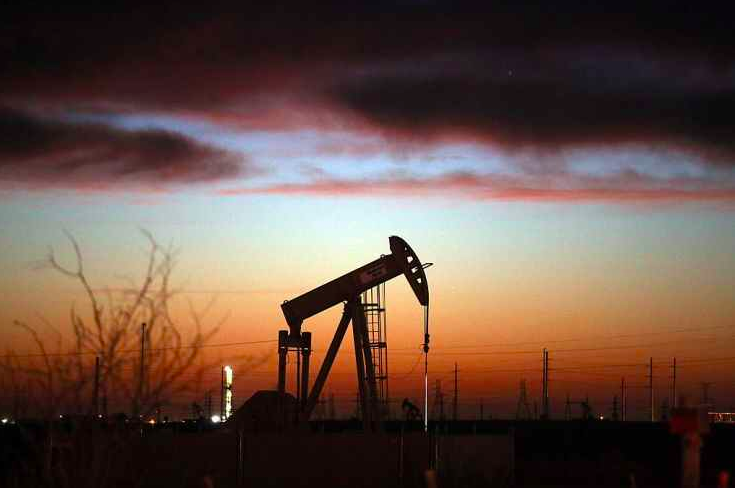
570, 172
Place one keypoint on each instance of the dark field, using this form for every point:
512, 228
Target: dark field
491, 453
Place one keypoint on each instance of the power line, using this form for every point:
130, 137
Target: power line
579, 349
130, 351
582, 339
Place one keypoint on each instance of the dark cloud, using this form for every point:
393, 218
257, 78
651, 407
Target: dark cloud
542, 75
551, 106
183, 56
38, 152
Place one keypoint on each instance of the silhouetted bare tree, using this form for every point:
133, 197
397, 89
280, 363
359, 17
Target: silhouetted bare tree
110, 328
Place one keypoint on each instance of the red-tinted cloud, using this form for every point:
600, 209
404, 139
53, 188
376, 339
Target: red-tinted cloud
626, 187
37, 153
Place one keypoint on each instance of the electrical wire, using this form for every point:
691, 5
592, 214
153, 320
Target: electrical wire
129, 351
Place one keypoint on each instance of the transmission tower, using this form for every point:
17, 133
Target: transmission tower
523, 411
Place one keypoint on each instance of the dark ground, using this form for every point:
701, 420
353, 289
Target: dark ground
490, 453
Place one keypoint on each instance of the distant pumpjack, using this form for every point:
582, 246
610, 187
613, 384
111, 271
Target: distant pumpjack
410, 410
346, 288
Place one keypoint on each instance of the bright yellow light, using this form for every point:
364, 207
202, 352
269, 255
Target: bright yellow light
151, 421
228, 376
216, 419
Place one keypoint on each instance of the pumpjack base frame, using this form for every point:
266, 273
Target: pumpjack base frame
367, 385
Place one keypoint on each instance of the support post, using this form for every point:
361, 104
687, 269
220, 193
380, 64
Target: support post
321, 378
305, 351
360, 366
298, 379
282, 350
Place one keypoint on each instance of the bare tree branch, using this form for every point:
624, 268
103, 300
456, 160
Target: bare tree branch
113, 336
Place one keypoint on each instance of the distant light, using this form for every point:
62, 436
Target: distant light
5, 420
99, 416
216, 419
228, 375
602, 418
152, 421
227, 392
61, 416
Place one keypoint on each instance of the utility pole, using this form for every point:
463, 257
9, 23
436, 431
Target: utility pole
96, 402
673, 385
650, 390
141, 376
545, 387
482, 414
454, 406
523, 411
615, 408
623, 400
543, 382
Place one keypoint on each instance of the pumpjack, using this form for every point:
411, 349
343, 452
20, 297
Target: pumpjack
347, 289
